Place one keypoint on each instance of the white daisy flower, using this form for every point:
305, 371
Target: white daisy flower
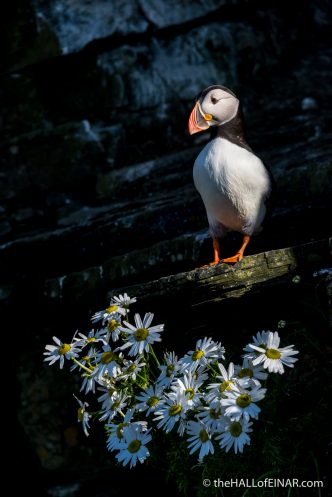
226, 383
89, 383
172, 409
108, 397
131, 369
133, 448
110, 312
200, 439
272, 357
83, 416
250, 372
212, 416
190, 387
60, 351
206, 351
241, 403
91, 338
168, 370
260, 340
235, 435
141, 336
119, 402
115, 430
150, 399
113, 328
123, 300
108, 363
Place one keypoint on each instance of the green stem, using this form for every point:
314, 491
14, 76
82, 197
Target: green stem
82, 365
154, 355
212, 369
142, 378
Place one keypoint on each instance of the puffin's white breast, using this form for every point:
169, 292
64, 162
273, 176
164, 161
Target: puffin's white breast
233, 184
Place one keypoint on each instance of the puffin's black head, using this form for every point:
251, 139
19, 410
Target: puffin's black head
216, 105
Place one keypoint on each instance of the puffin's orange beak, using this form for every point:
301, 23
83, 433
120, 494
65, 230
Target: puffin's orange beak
197, 120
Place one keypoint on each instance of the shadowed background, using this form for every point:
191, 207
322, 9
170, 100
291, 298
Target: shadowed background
96, 170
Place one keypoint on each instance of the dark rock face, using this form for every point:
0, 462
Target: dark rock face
76, 23
96, 162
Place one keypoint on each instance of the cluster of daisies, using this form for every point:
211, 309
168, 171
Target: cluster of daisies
195, 395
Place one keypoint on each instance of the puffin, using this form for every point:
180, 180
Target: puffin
235, 185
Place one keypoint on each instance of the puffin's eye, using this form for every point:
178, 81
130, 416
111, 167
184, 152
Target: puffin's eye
214, 100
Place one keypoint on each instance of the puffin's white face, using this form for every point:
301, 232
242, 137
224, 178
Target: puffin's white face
214, 107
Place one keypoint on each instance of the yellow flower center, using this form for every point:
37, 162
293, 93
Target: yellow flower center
80, 413
112, 325
131, 368
190, 392
170, 370
91, 339
153, 401
203, 436
198, 354
235, 429
108, 357
246, 372
141, 334
226, 385
111, 309
134, 446
273, 354
64, 348
174, 410
243, 400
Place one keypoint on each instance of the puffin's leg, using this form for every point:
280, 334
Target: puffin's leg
239, 255
216, 253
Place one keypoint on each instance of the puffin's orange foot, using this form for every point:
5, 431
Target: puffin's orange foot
232, 260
